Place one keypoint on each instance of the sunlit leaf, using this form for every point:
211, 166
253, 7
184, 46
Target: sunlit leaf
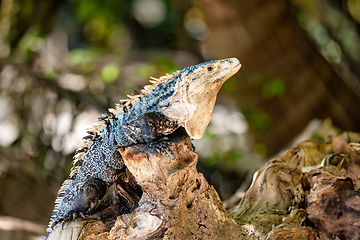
110, 72
354, 9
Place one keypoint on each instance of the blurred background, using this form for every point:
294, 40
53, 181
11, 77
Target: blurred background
64, 62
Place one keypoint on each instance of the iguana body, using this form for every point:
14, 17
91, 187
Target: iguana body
183, 99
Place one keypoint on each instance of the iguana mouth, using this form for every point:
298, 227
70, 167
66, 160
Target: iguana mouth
237, 66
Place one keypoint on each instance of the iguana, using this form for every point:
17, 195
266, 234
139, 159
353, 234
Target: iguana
182, 99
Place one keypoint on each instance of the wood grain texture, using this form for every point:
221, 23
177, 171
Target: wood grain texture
177, 201
311, 192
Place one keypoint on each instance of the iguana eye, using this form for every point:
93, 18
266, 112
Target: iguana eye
210, 68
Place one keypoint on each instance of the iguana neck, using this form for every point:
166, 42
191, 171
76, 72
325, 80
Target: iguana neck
195, 96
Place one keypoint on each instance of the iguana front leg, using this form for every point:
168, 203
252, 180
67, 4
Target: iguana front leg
155, 128
150, 128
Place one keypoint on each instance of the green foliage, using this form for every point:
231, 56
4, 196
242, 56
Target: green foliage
28, 45
270, 88
166, 64
110, 72
157, 67
274, 88
218, 154
259, 120
229, 86
88, 10
260, 149
229, 158
258, 79
101, 20
83, 59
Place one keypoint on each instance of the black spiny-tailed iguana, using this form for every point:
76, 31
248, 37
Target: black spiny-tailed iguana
183, 99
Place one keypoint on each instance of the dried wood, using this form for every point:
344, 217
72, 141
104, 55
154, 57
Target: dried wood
311, 192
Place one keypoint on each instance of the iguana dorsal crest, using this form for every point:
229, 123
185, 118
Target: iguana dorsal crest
186, 98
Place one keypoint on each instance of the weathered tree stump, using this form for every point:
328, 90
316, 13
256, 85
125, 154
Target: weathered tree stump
311, 192
177, 201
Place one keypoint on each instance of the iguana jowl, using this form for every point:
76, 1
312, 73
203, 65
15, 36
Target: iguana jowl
183, 99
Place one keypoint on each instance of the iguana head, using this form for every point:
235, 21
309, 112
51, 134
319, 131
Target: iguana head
196, 93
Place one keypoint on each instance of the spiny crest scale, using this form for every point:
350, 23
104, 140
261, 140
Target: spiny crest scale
95, 157
114, 111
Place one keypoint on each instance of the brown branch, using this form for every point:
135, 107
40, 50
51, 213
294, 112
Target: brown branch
177, 202
290, 198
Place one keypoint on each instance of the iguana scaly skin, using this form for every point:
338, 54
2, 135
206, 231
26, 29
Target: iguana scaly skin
182, 99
